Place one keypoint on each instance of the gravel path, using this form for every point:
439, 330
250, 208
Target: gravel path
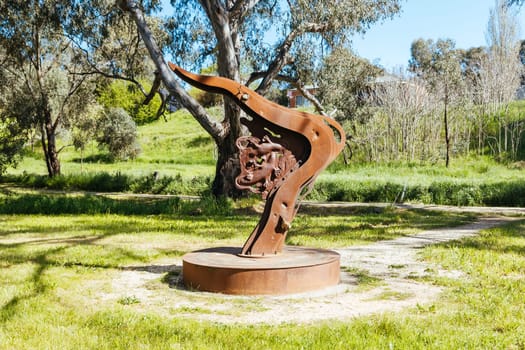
397, 258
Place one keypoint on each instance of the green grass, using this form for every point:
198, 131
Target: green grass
53, 268
473, 170
344, 227
312, 227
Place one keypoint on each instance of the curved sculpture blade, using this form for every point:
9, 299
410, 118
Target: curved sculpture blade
283, 156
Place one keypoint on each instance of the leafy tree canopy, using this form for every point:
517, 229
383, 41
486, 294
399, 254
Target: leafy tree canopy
288, 37
123, 94
344, 81
52, 51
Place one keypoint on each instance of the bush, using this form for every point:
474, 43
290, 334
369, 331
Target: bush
13, 138
206, 99
510, 194
118, 132
97, 182
445, 193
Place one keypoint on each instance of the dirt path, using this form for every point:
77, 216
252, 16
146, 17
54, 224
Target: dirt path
388, 266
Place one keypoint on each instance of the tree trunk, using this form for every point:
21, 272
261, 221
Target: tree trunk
228, 59
227, 167
447, 136
48, 138
226, 170
223, 134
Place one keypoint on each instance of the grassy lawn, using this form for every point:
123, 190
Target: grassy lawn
59, 273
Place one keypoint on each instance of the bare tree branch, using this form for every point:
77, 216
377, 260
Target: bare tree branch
259, 75
280, 61
310, 97
154, 89
214, 128
97, 71
241, 7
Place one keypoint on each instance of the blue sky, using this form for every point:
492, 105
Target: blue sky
464, 21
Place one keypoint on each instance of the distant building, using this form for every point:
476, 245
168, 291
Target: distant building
296, 99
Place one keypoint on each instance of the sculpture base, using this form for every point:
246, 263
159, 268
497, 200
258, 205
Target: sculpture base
295, 270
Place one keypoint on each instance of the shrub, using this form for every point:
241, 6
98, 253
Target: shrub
444, 193
13, 139
118, 132
504, 194
509, 193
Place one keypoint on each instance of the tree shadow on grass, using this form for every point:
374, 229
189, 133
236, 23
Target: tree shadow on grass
13, 254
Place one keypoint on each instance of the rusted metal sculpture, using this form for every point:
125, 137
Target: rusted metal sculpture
284, 154
264, 165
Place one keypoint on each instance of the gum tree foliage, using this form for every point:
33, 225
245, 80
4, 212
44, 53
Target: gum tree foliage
346, 93
53, 50
228, 32
12, 134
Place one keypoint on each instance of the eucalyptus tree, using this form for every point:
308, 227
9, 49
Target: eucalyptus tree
11, 133
38, 93
52, 52
231, 33
501, 66
438, 64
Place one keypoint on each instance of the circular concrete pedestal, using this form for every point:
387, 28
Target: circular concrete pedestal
295, 270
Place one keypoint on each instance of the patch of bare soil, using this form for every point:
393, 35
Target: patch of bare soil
376, 278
